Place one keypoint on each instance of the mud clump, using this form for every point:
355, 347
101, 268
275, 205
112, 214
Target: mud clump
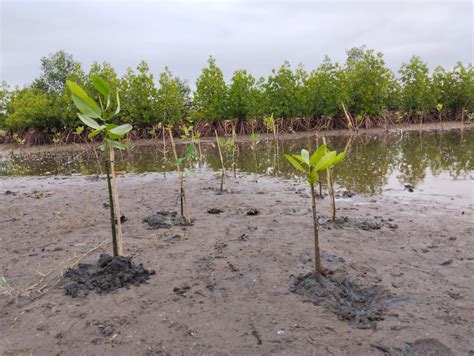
377, 223
107, 275
360, 307
215, 211
165, 220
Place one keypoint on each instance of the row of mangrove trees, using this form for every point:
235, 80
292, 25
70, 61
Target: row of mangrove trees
362, 91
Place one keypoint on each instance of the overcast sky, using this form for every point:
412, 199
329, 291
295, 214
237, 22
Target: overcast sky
255, 35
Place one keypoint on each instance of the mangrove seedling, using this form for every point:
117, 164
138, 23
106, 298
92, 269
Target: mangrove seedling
218, 143
310, 166
229, 148
255, 140
330, 181
89, 112
180, 167
181, 162
271, 126
193, 137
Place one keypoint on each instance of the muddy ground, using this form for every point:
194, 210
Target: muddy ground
222, 285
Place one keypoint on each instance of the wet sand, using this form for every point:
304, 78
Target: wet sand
222, 285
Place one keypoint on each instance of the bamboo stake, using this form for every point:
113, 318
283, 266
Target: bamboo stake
164, 144
317, 253
233, 150
115, 194
348, 117
222, 161
332, 200
112, 213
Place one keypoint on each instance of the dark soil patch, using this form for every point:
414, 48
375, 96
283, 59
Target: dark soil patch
253, 212
361, 307
342, 222
107, 275
215, 211
165, 220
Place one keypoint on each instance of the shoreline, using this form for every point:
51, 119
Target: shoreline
9, 148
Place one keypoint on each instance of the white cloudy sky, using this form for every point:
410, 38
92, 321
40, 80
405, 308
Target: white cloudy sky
256, 35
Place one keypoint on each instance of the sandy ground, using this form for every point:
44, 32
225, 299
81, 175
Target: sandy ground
222, 285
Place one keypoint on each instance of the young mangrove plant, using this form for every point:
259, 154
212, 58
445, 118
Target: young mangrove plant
330, 182
229, 148
255, 140
89, 112
194, 137
181, 167
271, 126
311, 166
221, 157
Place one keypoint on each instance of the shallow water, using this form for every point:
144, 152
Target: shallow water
435, 162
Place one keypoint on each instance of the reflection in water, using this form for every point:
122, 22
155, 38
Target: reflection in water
371, 164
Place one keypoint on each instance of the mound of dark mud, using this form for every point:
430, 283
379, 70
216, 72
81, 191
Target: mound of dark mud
165, 220
361, 307
107, 275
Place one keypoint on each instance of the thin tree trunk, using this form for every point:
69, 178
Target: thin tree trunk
222, 161
118, 223
317, 255
112, 213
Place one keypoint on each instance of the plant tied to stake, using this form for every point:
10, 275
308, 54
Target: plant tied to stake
90, 111
310, 166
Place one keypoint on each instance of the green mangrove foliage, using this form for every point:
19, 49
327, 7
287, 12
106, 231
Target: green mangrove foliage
362, 88
99, 118
310, 167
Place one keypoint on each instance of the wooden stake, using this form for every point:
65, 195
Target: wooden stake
222, 161
118, 223
332, 200
317, 254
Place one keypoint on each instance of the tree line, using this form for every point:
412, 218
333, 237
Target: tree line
362, 86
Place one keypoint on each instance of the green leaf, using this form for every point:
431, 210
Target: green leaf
102, 86
295, 163
96, 132
88, 121
115, 144
326, 161
85, 108
121, 130
313, 176
299, 158
118, 104
79, 93
317, 155
79, 130
305, 156
189, 151
108, 103
339, 158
